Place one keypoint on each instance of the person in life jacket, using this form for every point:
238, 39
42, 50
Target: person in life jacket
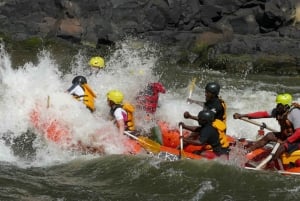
288, 118
122, 113
205, 134
214, 103
83, 92
147, 99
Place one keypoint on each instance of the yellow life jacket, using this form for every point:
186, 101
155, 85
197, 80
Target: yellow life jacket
224, 107
221, 127
129, 108
89, 97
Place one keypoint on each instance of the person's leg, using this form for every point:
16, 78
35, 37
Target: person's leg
263, 141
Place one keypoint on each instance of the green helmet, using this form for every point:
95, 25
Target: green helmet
284, 99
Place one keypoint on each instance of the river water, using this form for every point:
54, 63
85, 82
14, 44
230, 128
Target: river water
34, 168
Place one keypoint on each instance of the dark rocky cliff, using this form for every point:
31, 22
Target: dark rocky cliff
210, 29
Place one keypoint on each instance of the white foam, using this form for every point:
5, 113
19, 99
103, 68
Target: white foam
129, 69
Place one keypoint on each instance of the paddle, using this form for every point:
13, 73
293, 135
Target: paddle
276, 146
270, 156
145, 142
263, 125
48, 101
192, 87
181, 143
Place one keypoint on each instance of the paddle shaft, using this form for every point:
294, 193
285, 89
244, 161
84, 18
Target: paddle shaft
266, 160
181, 142
130, 135
258, 124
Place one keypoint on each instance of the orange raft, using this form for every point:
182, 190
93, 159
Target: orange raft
58, 132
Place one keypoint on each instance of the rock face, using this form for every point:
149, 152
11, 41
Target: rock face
229, 26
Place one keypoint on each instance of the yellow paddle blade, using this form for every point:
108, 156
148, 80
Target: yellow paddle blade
149, 144
192, 86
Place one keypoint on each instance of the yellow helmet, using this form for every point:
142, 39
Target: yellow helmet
97, 62
115, 96
284, 99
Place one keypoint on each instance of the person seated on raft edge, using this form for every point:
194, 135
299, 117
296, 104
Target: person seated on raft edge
217, 105
205, 134
147, 99
83, 92
288, 116
121, 113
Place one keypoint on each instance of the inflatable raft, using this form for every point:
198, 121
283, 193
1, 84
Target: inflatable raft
167, 146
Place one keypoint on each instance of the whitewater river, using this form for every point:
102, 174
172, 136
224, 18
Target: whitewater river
33, 168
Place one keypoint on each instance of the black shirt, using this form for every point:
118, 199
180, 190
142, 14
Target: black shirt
209, 135
216, 106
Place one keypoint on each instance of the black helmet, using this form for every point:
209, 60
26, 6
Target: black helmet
213, 88
206, 116
79, 80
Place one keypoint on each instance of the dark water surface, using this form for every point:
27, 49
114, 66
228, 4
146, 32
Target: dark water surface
119, 177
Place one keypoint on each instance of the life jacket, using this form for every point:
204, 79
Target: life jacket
224, 108
286, 127
88, 97
129, 118
129, 108
221, 127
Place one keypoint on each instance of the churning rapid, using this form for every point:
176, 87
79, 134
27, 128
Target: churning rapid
34, 168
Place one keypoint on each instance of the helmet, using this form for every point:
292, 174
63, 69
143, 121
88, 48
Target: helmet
284, 99
97, 62
79, 80
115, 96
206, 116
213, 88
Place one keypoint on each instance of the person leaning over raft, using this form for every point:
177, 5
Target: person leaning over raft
122, 113
83, 92
215, 104
147, 99
205, 134
288, 118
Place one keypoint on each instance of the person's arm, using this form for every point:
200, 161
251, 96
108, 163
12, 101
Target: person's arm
190, 128
295, 104
187, 115
71, 89
192, 141
189, 100
294, 137
121, 126
119, 120
253, 115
